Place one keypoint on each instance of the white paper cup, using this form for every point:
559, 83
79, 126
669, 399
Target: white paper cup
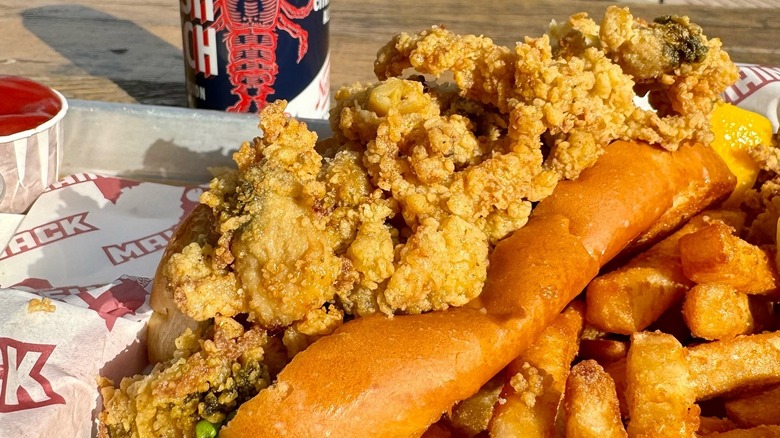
30, 162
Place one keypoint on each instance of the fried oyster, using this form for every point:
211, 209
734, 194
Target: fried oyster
400, 209
211, 374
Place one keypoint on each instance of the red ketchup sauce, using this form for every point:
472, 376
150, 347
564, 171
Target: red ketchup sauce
25, 104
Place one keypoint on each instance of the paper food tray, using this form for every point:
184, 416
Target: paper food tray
155, 143
92, 242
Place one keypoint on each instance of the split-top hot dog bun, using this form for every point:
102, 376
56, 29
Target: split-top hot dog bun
168, 322
394, 377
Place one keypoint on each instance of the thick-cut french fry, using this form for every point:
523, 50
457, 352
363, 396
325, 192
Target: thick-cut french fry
604, 351
617, 370
536, 380
661, 399
590, 403
720, 367
631, 297
760, 407
755, 432
717, 311
715, 255
708, 425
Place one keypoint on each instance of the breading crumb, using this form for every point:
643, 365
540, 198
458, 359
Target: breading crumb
41, 305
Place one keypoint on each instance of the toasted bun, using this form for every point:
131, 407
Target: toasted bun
393, 377
167, 321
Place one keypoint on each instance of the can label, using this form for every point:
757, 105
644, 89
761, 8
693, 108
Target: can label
241, 54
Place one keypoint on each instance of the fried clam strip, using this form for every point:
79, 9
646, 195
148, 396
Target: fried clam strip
394, 377
578, 95
273, 192
682, 70
536, 380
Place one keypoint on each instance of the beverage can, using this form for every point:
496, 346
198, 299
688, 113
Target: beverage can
241, 54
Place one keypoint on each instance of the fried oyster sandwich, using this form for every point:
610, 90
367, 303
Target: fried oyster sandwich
399, 210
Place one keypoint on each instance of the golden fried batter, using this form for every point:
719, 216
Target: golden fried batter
208, 378
273, 259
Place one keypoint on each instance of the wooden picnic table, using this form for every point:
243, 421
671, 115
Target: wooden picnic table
130, 50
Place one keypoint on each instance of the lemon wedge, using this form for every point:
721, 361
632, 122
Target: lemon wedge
736, 130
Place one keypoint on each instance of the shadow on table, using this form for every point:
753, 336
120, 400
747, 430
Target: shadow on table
114, 48
167, 161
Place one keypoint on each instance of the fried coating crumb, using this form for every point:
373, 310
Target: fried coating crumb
316, 324
41, 305
528, 383
207, 379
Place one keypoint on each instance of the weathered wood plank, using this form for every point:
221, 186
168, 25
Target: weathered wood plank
130, 50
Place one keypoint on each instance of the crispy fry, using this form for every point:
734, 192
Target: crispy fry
717, 311
631, 297
617, 371
756, 408
591, 404
661, 399
708, 425
536, 380
604, 351
715, 255
755, 432
720, 367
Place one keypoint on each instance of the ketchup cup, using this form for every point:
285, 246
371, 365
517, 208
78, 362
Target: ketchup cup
30, 140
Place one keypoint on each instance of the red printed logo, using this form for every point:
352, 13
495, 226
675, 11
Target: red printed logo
124, 297
22, 384
751, 79
137, 248
45, 234
123, 252
110, 187
323, 99
251, 37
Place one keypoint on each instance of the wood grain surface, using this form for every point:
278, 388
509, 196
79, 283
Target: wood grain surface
130, 50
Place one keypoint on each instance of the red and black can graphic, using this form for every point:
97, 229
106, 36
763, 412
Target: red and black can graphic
241, 54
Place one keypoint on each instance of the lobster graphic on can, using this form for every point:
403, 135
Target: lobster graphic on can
241, 54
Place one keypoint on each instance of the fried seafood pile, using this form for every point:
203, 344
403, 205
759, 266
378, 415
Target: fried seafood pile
426, 170
397, 212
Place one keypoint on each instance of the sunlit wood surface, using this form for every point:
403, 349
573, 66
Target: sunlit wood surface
130, 50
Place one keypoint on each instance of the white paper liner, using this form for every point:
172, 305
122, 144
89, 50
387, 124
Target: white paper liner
92, 244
